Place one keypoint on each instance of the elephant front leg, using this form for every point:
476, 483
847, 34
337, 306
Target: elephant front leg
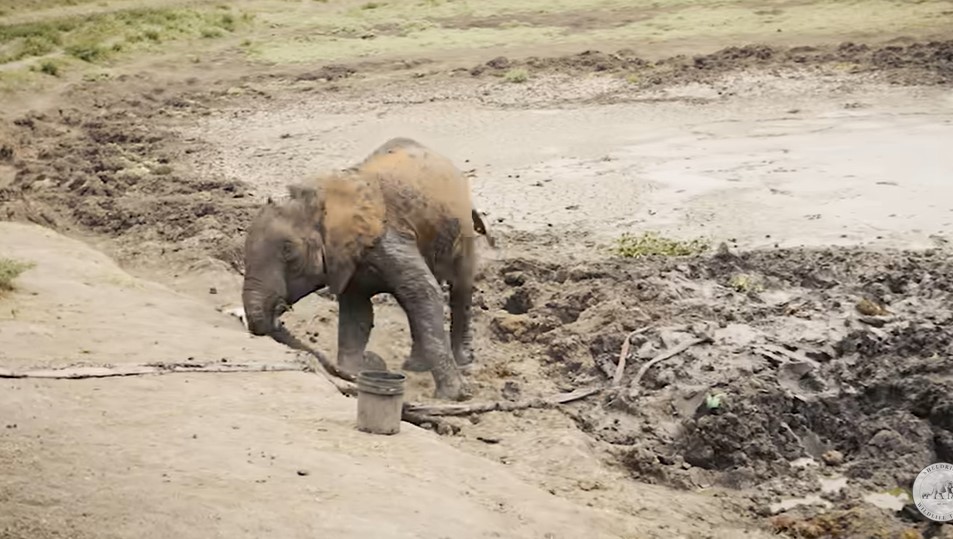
355, 320
419, 295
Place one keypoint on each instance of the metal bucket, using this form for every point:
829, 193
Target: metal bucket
380, 396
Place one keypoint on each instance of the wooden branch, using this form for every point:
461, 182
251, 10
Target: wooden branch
343, 386
624, 355
670, 353
440, 426
499, 406
80, 373
285, 337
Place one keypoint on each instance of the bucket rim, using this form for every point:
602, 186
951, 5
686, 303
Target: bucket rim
379, 375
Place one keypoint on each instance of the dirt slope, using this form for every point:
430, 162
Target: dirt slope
216, 455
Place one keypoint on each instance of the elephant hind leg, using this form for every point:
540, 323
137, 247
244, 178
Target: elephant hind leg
461, 302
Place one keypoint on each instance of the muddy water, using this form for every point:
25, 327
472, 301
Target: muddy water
842, 168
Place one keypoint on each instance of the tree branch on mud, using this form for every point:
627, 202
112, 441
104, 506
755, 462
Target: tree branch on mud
80, 373
672, 352
423, 414
624, 354
500, 406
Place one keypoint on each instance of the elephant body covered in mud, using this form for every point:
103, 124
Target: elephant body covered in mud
400, 222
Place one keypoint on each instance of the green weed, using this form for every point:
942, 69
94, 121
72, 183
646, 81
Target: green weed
92, 37
87, 52
9, 271
650, 243
50, 67
517, 75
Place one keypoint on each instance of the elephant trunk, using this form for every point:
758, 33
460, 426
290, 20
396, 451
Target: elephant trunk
260, 312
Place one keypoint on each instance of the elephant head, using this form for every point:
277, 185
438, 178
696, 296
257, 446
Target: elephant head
311, 240
284, 262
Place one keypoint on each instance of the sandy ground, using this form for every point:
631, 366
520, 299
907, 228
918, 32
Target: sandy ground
822, 169
234, 455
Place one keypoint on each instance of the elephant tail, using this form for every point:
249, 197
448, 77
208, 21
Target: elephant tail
480, 227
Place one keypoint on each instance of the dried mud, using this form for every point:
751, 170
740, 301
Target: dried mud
910, 63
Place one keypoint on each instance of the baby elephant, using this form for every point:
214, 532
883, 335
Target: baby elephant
400, 222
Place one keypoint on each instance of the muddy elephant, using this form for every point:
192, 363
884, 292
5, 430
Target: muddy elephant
400, 222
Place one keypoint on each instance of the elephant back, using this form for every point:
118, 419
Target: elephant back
425, 194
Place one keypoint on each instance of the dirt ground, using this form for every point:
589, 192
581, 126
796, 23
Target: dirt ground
816, 169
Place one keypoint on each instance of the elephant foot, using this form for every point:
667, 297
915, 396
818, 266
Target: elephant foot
415, 364
463, 356
370, 362
455, 389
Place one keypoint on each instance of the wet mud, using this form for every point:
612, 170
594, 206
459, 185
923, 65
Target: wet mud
115, 169
825, 363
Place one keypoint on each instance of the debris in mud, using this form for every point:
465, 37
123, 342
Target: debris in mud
920, 63
793, 372
328, 73
111, 173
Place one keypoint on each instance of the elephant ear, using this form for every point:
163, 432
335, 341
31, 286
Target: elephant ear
306, 194
352, 219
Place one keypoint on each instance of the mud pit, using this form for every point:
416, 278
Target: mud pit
799, 396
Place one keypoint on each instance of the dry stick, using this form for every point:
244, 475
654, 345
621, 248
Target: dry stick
343, 382
624, 354
500, 406
343, 386
422, 413
285, 337
80, 373
666, 355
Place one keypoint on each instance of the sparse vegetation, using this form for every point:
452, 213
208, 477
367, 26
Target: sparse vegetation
746, 283
47, 67
516, 75
652, 244
87, 52
9, 271
92, 38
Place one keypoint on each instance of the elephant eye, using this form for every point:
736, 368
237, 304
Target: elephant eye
288, 250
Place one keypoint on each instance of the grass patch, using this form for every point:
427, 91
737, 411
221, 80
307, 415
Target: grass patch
9, 271
652, 244
49, 67
746, 283
93, 38
516, 75
87, 52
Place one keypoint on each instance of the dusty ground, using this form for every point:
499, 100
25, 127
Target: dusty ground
821, 166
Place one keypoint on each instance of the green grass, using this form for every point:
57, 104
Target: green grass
746, 283
49, 67
516, 75
652, 244
9, 271
338, 31
93, 38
